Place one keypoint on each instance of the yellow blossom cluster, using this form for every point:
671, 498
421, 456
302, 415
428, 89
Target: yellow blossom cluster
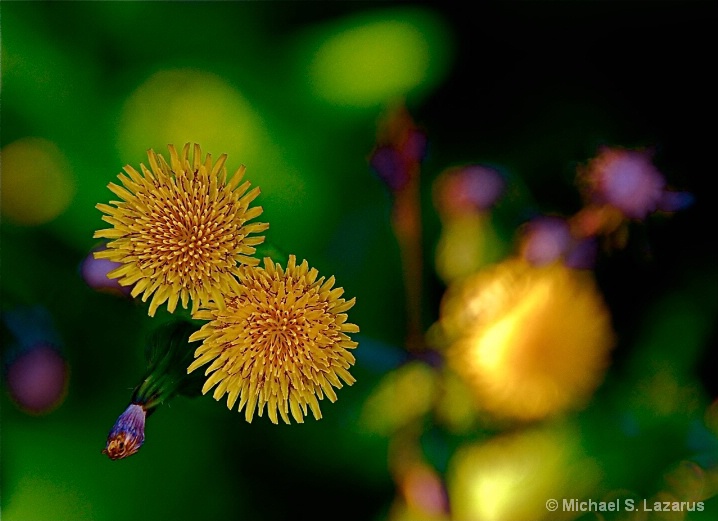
276, 336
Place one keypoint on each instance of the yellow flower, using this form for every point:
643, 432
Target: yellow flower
180, 229
281, 341
529, 341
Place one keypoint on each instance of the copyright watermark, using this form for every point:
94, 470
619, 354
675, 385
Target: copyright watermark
618, 505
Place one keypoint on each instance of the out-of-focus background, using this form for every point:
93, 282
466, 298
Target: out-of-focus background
298, 92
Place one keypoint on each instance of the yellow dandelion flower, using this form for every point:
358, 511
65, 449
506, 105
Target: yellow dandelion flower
529, 341
281, 341
180, 230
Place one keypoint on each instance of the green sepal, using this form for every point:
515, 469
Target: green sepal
168, 354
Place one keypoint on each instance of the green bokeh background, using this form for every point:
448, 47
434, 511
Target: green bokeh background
533, 87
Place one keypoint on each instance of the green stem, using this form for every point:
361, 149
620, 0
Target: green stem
169, 354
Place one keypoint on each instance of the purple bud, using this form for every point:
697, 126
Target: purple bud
94, 272
37, 379
626, 180
400, 148
128, 433
468, 188
546, 239
390, 167
414, 147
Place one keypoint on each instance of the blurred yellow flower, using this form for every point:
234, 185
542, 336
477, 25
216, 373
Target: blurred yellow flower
455, 408
401, 397
512, 476
281, 341
180, 229
37, 181
688, 481
529, 341
467, 243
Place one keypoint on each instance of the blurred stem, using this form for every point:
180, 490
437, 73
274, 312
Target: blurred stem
406, 223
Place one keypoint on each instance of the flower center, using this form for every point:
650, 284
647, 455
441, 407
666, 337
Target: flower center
281, 333
188, 239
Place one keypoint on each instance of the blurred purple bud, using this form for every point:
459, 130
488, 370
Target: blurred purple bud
37, 379
469, 188
400, 148
674, 201
94, 272
390, 167
626, 180
546, 239
414, 148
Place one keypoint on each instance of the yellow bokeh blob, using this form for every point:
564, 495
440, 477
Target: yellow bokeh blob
455, 408
190, 106
529, 341
401, 397
467, 243
686, 480
37, 182
368, 60
511, 477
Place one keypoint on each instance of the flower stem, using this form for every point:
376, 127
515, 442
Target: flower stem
169, 354
406, 223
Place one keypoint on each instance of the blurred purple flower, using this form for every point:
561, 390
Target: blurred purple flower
400, 149
625, 179
548, 239
413, 148
468, 189
94, 272
390, 167
37, 379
